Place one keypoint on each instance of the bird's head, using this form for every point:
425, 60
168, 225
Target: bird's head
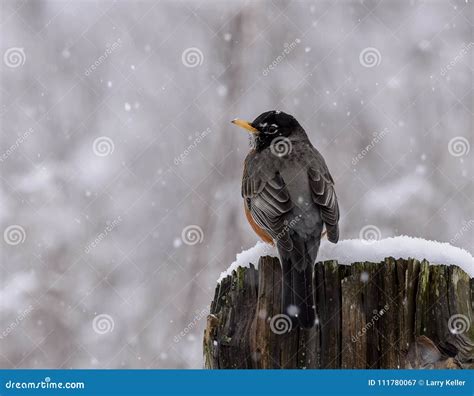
269, 126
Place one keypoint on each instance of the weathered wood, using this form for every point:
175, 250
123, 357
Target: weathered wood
328, 307
369, 315
263, 340
354, 354
227, 342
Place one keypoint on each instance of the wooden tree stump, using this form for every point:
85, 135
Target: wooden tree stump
393, 314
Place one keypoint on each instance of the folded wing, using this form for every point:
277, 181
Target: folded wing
267, 199
324, 195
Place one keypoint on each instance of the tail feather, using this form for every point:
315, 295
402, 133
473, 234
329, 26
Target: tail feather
298, 267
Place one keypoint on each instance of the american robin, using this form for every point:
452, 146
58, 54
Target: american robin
289, 198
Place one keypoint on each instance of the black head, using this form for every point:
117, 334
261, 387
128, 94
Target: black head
269, 126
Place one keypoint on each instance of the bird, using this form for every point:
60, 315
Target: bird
289, 199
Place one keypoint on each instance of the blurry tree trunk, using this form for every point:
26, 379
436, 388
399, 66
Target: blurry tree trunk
224, 147
394, 314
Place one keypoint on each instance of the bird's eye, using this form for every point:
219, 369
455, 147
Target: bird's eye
272, 129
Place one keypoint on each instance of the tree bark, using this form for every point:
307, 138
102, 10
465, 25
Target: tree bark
393, 314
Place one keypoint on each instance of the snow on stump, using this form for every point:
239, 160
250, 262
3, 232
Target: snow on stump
382, 313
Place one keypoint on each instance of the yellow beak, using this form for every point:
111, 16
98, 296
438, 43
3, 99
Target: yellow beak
244, 124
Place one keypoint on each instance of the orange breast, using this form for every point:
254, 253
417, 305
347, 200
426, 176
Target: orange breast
258, 230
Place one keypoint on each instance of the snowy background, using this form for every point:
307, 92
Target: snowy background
115, 137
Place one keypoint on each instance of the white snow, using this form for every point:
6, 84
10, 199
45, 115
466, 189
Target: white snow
15, 291
359, 250
66, 53
251, 255
222, 90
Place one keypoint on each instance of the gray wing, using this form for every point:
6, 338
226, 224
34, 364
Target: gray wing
324, 195
268, 200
